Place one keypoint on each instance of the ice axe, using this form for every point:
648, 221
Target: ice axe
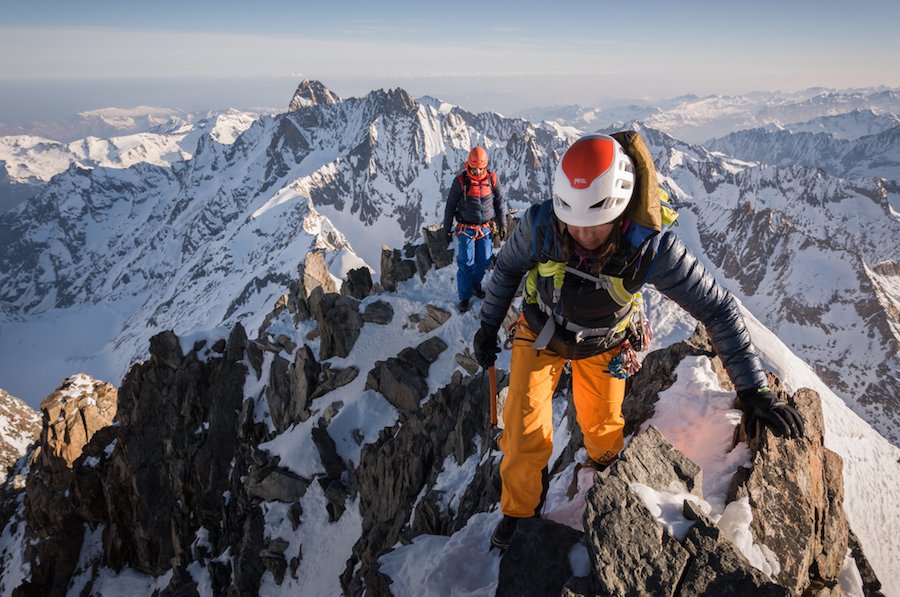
495, 429
493, 377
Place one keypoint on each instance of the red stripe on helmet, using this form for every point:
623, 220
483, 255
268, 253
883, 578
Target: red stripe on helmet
586, 160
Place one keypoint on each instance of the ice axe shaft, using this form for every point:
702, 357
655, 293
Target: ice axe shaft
493, 377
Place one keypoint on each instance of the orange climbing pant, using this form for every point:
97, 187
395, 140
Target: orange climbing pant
527, 438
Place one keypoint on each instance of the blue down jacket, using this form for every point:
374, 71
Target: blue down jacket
663, 261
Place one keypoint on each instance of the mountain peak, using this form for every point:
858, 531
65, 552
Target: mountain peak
312, 93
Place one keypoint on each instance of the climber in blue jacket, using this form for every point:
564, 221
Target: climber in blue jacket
585, 255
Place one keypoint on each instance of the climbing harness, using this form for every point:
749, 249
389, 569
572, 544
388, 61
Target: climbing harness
478, 230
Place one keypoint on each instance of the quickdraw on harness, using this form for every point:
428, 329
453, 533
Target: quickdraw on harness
626, 363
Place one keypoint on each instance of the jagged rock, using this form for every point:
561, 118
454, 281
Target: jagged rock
336, 494
331, 411
288, 344
630, 552
334, 466
467, 361
255, 356
339, 322
72, 414
394, 470
311, 93
380, 312
273, 559
580, 586
358, 283
176, 443
537, 561
652, 461
266, 345
314, 274
395, 269
431, 349
717, 567
871, 584
304, 377
439, 251
435, 318
400, 383
287, 302
278, 394
292, 387
423, 261
402, 379
796, 492
277, 485
166, 349
335, 379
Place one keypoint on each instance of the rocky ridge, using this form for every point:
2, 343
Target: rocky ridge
20, 426
181, 483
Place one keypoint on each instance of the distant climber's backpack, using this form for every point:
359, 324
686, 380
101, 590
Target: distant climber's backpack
465, 184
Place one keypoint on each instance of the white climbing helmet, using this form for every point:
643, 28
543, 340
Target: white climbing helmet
594, 181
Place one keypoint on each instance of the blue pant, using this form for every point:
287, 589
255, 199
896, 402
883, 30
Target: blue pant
472, 256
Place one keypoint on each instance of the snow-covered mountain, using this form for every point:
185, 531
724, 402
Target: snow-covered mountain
106, 122
30, 161
864, 156
212, 240
849, 126
696, 119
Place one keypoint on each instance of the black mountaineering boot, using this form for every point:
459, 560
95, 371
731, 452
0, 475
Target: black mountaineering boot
503, 534
478, 293
463, 305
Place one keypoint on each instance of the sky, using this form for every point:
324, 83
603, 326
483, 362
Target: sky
58, 58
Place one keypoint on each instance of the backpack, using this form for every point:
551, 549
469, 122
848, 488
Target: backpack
466, 184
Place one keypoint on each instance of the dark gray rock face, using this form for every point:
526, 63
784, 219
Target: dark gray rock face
717, 567
537, 562
402, 378
406, 459
631, 553
339, 322
358, 283
792, 485
651, 460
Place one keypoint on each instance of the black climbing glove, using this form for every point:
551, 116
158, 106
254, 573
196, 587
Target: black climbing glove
486, 344
448, 236
762, 405
502, 232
